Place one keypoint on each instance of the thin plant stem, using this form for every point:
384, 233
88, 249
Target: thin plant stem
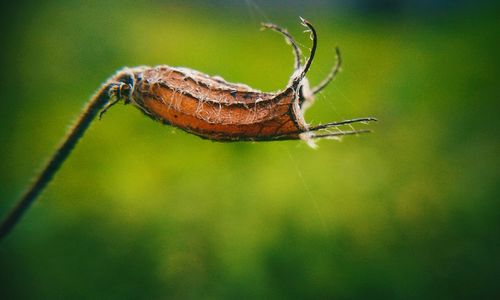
95, 104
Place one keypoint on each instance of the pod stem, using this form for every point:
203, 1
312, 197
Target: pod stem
94, 105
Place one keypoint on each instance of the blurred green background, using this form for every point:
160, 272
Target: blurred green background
142, 210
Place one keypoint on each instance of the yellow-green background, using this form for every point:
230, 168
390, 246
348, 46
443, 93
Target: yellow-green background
141, 210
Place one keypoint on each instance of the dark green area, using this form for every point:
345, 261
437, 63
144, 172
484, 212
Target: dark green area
140, 210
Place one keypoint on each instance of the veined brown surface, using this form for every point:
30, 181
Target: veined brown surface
215, 109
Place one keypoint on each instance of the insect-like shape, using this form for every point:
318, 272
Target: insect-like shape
202, 105
215, 109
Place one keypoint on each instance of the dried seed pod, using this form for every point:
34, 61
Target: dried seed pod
215, 109
206, 106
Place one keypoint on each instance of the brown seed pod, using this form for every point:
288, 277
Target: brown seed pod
203, 105
215, 109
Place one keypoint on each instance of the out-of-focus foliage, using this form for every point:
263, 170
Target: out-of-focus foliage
141, 210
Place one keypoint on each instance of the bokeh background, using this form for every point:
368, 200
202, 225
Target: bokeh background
145, 211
